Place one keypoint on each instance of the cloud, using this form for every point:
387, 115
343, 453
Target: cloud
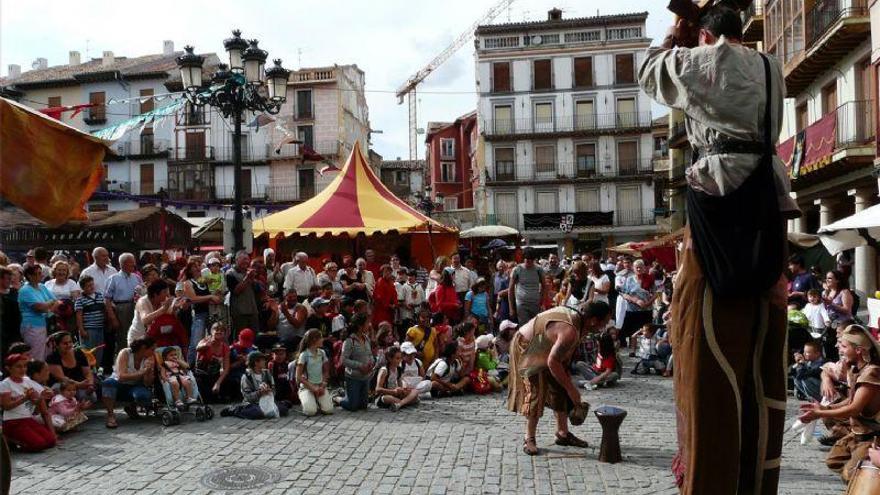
388, 39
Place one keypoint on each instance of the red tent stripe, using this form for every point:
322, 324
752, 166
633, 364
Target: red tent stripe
342, 209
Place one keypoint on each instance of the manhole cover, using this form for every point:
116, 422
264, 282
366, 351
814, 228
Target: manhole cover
239, 478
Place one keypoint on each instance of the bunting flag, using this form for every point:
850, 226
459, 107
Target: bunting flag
308, 153
55, 112
159, 115
329, 167
47, 168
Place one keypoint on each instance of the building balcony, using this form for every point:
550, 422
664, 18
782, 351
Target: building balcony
146, 146
584, 171
155, 188
288, 193
585, 220
753, 22
218, 154
833, 29
660, 163
840, 142
311, 76
567, 125
678, 135
193, 117
323, 148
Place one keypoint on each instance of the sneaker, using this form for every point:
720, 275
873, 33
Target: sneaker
395, 407
337, 400
192, 400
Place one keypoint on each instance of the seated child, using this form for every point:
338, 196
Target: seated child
648, 339
604, 371
445, 373
412, 373
487, 362
38, 371
258, 390
384, 341
502, 344
392, 393
67, 412
174, 372
807, 372
21, 398
440, 326
467, 347
312, 372
423, 337
279, 367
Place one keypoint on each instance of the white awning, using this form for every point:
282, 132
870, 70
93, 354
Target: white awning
488, 231
861, 229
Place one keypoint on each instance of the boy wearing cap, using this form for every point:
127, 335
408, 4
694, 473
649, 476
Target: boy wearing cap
862, 407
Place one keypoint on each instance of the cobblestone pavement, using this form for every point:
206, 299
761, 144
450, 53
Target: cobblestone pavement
465, 445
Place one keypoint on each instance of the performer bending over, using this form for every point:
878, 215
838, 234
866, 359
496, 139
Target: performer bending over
540, 357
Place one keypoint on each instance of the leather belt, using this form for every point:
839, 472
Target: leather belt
733, 146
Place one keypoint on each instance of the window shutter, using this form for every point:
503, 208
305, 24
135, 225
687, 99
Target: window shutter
543, 74
583, 72
500, 76
623, 69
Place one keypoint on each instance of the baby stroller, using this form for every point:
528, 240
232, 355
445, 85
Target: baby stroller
163, 400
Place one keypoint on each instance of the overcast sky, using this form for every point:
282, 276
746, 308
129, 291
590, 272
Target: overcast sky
388, 39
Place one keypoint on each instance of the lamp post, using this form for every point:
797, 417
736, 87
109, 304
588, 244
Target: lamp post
426, 204
244, 85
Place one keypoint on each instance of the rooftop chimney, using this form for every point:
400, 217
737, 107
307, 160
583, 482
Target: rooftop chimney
167, 47
14, 71
107, 59
74, 58
40, 63
554, 15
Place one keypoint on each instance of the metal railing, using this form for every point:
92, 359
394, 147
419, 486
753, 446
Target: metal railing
677, 131
632, 218
567, 170
323, 148
148, 145
192, 153
568, 123
855, 123
135, 187
282, 193
826, 13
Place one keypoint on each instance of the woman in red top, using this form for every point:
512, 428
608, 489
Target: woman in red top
444, 298
384, 297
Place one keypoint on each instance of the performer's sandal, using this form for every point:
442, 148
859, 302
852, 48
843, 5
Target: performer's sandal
529, 446
570, 440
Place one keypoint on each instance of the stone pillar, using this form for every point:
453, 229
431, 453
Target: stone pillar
826, 215
865, 262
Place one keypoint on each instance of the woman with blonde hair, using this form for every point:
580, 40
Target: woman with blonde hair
436, 273
61, 285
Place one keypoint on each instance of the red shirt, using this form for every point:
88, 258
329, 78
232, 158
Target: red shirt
167, 330
384, 301
376, 268
604, 363
647, 281
445, 299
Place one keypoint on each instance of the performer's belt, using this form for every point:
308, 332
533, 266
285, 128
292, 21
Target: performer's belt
734, 146
867, 437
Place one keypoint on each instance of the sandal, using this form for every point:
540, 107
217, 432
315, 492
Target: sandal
570, 440
111, 422
529, 447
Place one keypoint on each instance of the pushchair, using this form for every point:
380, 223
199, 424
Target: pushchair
163, 401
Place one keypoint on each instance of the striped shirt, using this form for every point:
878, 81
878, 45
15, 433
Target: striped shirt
92, 308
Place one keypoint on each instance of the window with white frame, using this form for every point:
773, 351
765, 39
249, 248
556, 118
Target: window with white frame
627, 33
447, 148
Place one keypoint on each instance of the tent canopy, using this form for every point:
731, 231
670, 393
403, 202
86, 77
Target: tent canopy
861, 229
488, 231
356, 202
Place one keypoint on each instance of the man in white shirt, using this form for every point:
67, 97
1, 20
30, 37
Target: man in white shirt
462, 277
100, 270
301, 277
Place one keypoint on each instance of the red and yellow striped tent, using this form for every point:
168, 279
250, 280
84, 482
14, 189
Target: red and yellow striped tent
356, 203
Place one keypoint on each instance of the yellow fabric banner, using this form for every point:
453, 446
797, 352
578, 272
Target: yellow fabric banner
47, 168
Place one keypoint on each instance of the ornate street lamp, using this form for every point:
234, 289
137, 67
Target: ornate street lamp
236, 89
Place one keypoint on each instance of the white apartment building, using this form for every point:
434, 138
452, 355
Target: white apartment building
139, 165
568, 145
326, 109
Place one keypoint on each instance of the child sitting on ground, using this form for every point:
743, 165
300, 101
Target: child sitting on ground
38, 371
258, 390
174, 372
807, 372
440, 326
279, 368
66, 412
604, 371
384, 341
413, 374
467, 346
392, 393
312, 372
486, 361
445, 373
649, 359
21, 399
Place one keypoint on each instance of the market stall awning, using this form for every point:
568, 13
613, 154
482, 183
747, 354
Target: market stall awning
488, 231
47, 168
356, 202
861, 229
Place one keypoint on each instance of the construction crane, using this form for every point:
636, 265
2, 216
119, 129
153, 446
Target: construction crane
408, 89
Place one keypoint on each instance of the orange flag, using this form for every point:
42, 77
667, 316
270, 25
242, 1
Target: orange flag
47, 168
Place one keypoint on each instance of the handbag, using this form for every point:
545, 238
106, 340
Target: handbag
268, 406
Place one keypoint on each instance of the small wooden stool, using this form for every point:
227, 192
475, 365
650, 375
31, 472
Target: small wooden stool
610, 419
